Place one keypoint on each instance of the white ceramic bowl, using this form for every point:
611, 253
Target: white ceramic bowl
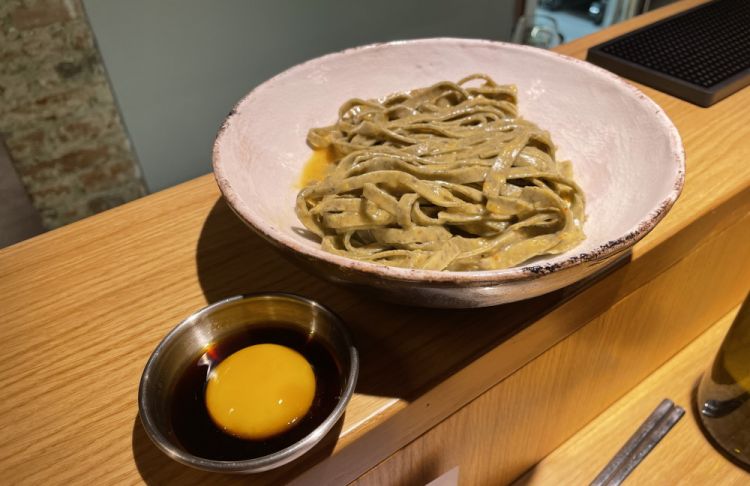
627, 156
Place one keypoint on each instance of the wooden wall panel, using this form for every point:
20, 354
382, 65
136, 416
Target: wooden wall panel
510, 428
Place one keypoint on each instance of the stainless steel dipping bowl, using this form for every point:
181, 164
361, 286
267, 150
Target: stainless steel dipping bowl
219, 321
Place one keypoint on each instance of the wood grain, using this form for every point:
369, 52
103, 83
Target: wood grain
683, 457
84, 306
508, 429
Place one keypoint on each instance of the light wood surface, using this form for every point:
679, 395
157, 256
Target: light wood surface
683, 457
509, 428
84, 306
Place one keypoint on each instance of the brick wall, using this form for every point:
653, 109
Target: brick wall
58, 117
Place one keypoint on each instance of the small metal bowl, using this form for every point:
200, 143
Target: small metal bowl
218, 321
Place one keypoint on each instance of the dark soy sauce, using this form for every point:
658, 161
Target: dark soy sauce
196, 432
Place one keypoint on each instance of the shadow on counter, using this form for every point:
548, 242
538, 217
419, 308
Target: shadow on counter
156, 468
403, 350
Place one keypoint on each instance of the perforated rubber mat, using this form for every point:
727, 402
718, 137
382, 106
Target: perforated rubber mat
701, 55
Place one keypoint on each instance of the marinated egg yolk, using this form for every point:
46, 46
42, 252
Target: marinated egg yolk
260, 391
318, 166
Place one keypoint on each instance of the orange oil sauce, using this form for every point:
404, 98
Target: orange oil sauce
317, 167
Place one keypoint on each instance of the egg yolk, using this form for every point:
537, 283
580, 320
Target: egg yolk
260, 391
317, 167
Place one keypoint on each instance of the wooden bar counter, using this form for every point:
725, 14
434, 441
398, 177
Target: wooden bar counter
684, 456
492, 391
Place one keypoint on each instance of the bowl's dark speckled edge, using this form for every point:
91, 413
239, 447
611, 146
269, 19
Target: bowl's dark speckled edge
445, 278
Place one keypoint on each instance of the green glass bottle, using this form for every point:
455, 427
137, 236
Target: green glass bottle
724, 392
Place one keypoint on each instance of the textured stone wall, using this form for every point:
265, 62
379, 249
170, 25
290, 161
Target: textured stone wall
58, 117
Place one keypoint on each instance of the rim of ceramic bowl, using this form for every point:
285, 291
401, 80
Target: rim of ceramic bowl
257, 464
528, 271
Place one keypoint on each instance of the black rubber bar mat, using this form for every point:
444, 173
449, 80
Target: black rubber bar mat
701, 55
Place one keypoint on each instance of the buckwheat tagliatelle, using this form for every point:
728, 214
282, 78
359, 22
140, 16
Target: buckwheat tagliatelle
447, 177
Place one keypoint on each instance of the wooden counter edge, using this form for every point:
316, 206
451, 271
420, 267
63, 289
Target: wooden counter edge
710, 257
684, 456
